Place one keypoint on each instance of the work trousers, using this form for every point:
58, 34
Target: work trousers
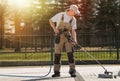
58, 49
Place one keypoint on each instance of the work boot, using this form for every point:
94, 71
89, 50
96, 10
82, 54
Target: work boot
56, 74
72, 73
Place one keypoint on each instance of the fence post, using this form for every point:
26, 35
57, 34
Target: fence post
117, 42
118, 29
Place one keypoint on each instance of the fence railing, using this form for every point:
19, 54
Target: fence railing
102, 46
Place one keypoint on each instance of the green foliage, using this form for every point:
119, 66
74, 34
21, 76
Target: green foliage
96, 16
108, 15
45, 56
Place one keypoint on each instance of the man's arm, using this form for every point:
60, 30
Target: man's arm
74, 36
52, 24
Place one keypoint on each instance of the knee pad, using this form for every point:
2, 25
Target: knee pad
70, 57
57, 58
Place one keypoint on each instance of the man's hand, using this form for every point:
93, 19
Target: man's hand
56, 31
75, 42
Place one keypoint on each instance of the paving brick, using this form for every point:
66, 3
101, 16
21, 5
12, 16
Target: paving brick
33, 73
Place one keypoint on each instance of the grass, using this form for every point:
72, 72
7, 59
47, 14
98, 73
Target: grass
46, 56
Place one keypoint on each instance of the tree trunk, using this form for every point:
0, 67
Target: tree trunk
17, 32
1, 32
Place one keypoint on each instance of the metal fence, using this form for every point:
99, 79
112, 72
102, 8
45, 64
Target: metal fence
102, 46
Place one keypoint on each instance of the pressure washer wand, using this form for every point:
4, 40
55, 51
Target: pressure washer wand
96, 60
106, 73
80, 47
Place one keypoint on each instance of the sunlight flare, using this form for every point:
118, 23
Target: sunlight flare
19, 3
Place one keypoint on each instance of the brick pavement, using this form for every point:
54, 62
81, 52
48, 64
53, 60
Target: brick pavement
33, 73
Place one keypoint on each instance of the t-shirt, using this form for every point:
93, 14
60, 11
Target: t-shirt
57, 18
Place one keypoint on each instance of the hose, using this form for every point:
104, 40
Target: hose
38, 77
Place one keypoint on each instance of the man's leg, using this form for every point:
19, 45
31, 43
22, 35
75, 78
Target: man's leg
57, 59
57, 65
72, 70
69, 49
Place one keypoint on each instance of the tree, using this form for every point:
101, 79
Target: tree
3, 8
107, 15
